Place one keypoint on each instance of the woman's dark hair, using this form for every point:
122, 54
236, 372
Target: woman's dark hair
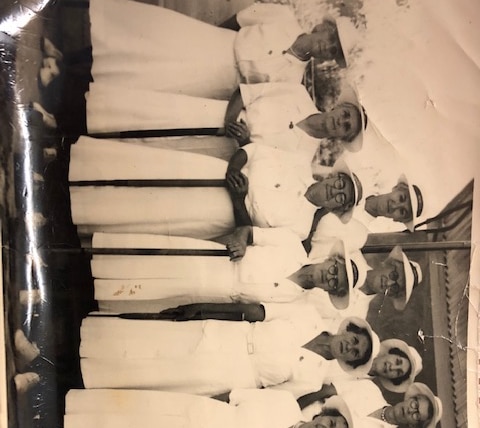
328, 411
327, 24
399, 380
353, 328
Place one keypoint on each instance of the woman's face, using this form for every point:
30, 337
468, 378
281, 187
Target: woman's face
324, 45
390, 366
335, 192
387, 278
349, 346
343, 122
326, 422
329, 275
412, 410
395, 205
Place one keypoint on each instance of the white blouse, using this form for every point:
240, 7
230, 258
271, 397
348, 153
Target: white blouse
272, 113
278, 181
268, 30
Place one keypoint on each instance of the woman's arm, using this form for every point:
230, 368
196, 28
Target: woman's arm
239, 131
327, 391
238, 192
237, 186
234, 107
237, 161
238, 241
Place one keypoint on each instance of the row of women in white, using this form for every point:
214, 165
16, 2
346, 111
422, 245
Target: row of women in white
300, 352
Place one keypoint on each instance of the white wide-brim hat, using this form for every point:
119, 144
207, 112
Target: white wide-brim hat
348, 37
341, 166
362, 267
418, 388
350, 95
364, 368
416, 200
412, 355
342, 302
413, 277
339, 404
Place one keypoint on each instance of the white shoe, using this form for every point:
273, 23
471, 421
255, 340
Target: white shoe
26, 350
24, 381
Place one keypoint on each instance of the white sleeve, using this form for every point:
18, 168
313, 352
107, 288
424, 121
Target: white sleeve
362, 396
275, 236
308, 375
311, 411
264, 13
267, 407
240, 395
285, 311
296, 388
294, 94
252, 92
330, 228
305, 317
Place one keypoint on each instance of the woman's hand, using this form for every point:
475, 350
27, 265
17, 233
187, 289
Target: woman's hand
237, 183
239, 131
238, 241
236, 250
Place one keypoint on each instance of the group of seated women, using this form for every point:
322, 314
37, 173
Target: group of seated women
247, 327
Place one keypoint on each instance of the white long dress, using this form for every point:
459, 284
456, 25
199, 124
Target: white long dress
271, 113
143, 46
195, 212
153, 409
152, 283
142, 50
204, 357
278, 181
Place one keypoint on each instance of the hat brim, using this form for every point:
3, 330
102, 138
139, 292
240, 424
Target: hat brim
340, 58
418, 388
364, 368
385, 347
350, 95
401, 302
343, 38
340, 166
413, 201
337, 403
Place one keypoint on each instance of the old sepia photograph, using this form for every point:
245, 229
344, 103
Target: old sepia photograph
240, 213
